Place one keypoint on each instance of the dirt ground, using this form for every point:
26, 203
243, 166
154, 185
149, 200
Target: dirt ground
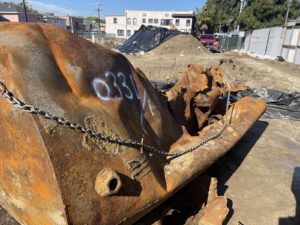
260, 176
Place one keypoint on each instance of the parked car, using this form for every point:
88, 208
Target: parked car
209, 41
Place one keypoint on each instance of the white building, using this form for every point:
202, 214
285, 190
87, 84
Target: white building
124, 26
55, 20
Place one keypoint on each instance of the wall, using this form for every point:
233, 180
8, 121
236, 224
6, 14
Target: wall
111, 27
137, 18
11, 17
56, 21
276, 41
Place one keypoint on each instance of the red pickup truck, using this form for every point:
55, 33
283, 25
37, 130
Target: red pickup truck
209, 41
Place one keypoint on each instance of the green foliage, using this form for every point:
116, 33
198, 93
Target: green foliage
267, 13
94, 18
256, 14
217, 12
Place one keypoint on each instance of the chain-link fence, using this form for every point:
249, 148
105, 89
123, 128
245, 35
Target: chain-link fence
96, 35
227, 43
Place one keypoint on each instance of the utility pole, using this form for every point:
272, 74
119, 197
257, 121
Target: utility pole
126, 25
71, 23
241, 8
289, 3
98, 10
25, 11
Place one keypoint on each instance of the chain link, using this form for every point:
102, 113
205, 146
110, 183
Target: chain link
4, 92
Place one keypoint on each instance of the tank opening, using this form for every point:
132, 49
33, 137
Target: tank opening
113, 183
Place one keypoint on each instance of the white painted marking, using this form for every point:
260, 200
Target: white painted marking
143, 111
129, 94
97, 83
111, 74
150, 107
134, 86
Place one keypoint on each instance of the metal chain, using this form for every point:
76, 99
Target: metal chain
4, 92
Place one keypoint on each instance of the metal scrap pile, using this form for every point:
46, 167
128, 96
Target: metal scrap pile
124, 148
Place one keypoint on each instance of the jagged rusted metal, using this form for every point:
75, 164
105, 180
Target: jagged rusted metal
52, 175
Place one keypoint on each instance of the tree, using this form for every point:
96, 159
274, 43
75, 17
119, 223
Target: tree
267, 13
96, 19
256, 14
216, 14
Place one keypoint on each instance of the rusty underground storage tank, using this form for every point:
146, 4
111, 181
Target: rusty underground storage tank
96, 118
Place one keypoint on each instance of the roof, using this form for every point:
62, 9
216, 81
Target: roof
183, 15
11, 8
53, 17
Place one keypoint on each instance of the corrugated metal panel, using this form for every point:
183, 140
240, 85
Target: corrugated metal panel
259, 41
284, 53
295, 36
291, 55
275, 41
246, 46
288, 36
297, 56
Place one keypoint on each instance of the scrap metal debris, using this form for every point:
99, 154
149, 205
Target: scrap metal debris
54, 177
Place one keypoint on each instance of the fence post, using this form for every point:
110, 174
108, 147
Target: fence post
268, 41
93, 38
227, 43
249, 41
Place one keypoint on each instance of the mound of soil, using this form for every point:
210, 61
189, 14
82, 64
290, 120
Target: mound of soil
181, 45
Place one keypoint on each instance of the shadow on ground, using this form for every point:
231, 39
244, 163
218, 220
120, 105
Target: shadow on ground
184, 208
295, 188
225, 167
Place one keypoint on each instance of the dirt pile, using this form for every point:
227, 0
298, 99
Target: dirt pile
181, 45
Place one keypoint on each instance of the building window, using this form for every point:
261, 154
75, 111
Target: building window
115, 20
177, 22
156, 21
128, 33
144, 14
129, 21
134, 21
144, 20
120, 33
150, 20
166, 22
188, 23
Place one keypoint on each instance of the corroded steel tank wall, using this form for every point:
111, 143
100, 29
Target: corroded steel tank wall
53, 175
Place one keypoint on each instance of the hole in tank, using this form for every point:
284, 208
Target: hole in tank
113, 184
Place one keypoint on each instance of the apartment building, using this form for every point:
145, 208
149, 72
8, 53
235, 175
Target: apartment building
123, 26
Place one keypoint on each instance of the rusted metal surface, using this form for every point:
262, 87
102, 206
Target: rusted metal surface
48, 174
216, 209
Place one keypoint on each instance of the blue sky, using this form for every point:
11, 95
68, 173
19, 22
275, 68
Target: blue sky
109, 7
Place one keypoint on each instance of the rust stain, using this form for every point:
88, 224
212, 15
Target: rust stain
48, 177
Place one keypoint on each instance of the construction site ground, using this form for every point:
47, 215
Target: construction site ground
260, 176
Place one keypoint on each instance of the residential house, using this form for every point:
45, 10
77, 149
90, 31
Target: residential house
123, 26
13, 13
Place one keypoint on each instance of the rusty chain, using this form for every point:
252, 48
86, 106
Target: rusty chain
4, 92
